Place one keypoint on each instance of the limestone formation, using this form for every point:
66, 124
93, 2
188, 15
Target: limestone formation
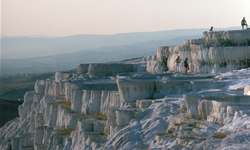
142, 103
217, 52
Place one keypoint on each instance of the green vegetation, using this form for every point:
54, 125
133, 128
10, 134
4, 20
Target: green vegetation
170, 131
8, 110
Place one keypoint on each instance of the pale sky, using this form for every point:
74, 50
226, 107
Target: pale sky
70, 17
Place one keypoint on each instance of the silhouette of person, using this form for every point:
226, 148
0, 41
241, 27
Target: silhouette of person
243, 23
186, 65
211, 29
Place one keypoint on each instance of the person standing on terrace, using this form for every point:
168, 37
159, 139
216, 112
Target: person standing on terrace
243, 23
186, 65
212, 28
177, 63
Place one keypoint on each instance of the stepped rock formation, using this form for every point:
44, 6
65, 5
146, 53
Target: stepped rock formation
141, 103
218, 51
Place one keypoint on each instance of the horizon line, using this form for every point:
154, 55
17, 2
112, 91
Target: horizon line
48, 36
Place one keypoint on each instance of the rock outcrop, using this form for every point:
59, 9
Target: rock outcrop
138, 104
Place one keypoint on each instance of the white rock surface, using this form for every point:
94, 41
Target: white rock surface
132, 90
155, 67
210, 54
204, 59
247, 90
136, 105
236, 36
149, 58
194, 41
82, 68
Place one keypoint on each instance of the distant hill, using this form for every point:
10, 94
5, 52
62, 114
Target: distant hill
27, 47
68, 61
46, 54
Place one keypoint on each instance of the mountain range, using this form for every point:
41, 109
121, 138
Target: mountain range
31, 54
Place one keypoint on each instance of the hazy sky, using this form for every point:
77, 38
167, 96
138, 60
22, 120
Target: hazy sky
70, 17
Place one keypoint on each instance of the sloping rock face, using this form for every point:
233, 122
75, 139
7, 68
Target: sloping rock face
135, 104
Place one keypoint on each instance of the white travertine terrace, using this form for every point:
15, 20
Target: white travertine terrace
194, 41
235, 36
207, 55
138, 104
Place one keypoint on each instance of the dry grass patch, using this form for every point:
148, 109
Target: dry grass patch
173, 134
68, 108
99, 116
64, 131
66, 102
219, 134
97, 135
198, 117
181, 123
170, 131
186, 116
192, 124
161, 133
182, 109
188, 135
